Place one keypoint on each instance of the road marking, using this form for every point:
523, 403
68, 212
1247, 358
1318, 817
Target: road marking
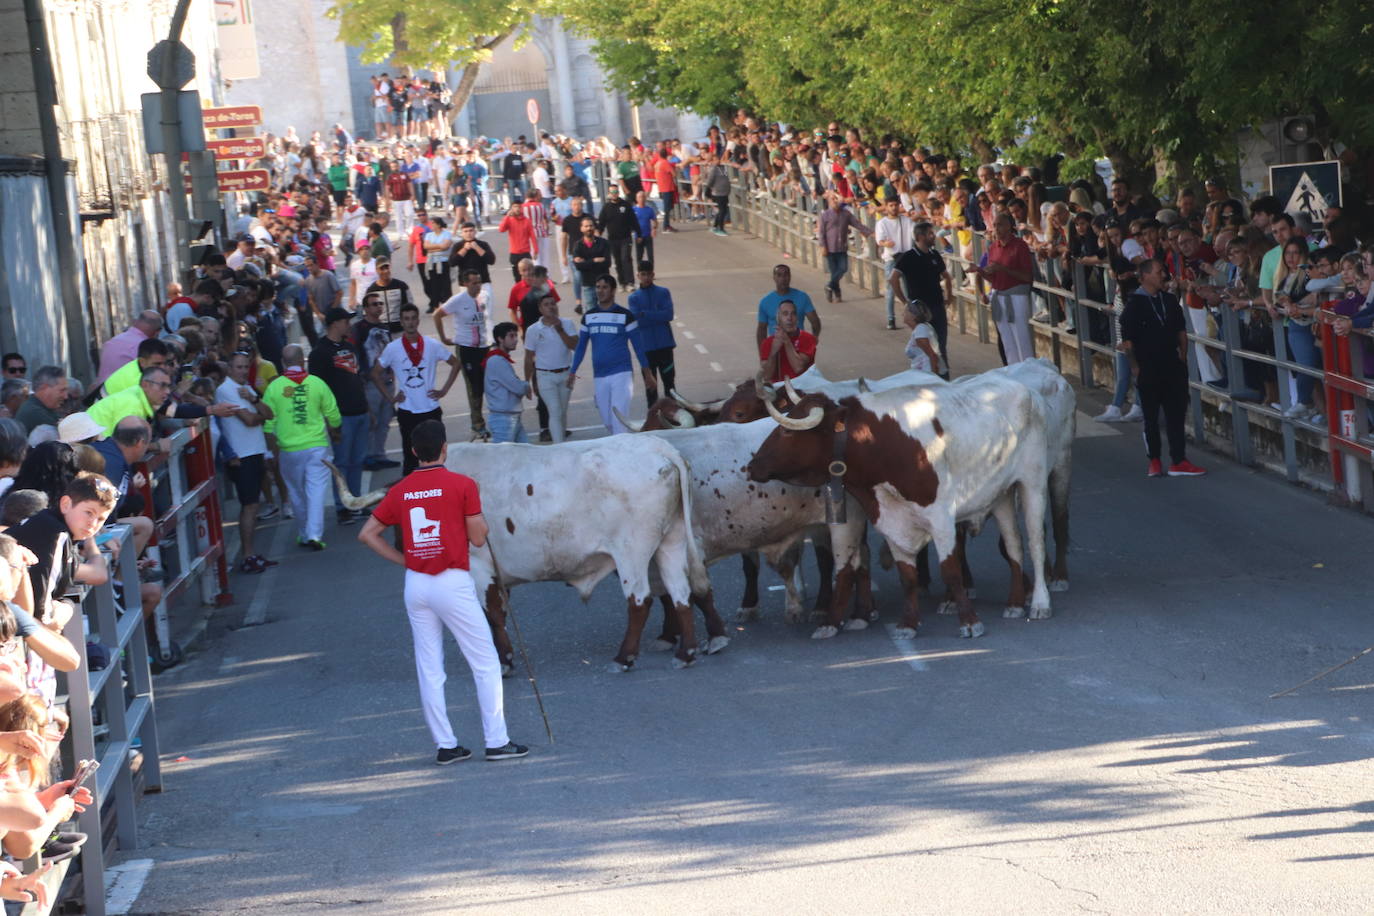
123, 884
715, 367
229, 662
689, 335
681, 324
700, 349
257, 610
906, 647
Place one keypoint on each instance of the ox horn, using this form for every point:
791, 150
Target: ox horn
791, 392
863, 385
630, 424
810, 421
762, 390
690, 405
346, 496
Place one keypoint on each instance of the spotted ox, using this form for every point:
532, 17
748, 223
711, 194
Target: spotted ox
578, 511
675, 412
920, 460
731, 514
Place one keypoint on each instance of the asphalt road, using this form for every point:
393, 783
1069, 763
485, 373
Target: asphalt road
1122, 757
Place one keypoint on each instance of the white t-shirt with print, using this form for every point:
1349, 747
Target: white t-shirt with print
469, 318
415, 382
364, 275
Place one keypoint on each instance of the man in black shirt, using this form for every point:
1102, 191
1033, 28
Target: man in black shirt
1153, 333
1122, 209
591, 257
923, 270
618, 221
395, 295
513, 171
471, 253
335, 361
572, 232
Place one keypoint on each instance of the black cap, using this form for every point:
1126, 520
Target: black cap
337, 314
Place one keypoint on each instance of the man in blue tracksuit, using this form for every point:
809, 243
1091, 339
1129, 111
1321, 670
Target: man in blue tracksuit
611, 331
652, 307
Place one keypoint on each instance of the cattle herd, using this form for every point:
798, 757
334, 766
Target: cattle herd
921, 460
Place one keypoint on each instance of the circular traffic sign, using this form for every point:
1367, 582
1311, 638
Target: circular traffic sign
532, 111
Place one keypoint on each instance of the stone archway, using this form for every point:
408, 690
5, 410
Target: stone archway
512, 77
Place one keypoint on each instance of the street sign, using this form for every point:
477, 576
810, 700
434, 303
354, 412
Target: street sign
183, 64
192, 135
233, 116
532, 111
238, 148
1307, 188
241, 180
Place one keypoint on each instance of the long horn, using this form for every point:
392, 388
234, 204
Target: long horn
810, 421
863, 385
630, 424
690, 405
346, 495
791, 392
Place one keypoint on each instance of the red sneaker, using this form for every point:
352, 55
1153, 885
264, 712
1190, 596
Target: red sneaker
1156, 468
1185, 469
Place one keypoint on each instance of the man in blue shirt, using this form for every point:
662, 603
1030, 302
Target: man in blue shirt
652, 307
646, 227
477, 183
782, 289
611, 331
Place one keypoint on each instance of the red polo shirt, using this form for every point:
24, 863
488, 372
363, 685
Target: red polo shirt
431, 506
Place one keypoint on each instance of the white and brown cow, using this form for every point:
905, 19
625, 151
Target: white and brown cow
578, 511
920, 460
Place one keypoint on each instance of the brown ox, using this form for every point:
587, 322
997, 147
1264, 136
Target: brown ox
921, 460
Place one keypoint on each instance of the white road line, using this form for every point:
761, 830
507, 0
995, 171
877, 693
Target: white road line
229, 662
123, 884
681, 324
257, 609
689, 335
906, 647
700, 349
715, 367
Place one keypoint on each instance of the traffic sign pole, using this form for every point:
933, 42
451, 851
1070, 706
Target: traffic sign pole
166, 78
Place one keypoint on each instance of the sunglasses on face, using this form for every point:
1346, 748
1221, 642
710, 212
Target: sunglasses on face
13, 369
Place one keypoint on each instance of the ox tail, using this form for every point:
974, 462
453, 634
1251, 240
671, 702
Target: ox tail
696, 572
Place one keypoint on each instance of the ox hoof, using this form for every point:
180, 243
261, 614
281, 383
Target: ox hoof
507, 669
971, 630
716, 644
747, 613
1059, 585
903, 633
619, 667
1013, 612
947, 607
825, 632
662, 645
793, 615
1041, 613
680, 663
856, 623
873, 616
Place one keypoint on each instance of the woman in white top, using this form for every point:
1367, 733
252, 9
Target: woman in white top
920, 347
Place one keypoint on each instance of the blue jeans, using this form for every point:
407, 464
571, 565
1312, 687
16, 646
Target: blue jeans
350, 451
837, 262
506, 427
1123, 380
588, 297
576, 283
1302, 346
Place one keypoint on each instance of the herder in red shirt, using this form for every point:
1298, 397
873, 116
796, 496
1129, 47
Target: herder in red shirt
439, 514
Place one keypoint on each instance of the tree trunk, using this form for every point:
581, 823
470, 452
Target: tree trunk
400, 46
983, 150
463, 91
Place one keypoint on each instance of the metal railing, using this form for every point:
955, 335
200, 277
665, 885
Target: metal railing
1230, 417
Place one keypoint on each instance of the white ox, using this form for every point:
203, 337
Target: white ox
922, 460
576, 512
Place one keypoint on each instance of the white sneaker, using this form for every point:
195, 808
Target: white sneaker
1134, 414
1041, 317
1297, 411
1111, 415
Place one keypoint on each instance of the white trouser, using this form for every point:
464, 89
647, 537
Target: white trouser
1013, 326
614, 391
553, 388
541, 257
557, 254
405, 215
1207, 370
307, 483
449, 600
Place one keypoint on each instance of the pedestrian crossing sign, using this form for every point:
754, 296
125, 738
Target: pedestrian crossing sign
1307, 188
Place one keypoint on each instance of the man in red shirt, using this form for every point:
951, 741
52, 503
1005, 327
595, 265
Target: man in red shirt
401, 196
790, 351
665, 176
1008, 272
439, 514
523, 243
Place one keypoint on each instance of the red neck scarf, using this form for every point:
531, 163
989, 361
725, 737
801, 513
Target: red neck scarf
497, 351
416, 351
296, 374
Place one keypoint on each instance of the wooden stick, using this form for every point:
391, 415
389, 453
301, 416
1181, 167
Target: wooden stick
1323, 674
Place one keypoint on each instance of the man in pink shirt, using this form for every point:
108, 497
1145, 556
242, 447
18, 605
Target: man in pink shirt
122, 348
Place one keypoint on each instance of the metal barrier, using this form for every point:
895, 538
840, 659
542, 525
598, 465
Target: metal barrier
1255, 433
1349, 426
